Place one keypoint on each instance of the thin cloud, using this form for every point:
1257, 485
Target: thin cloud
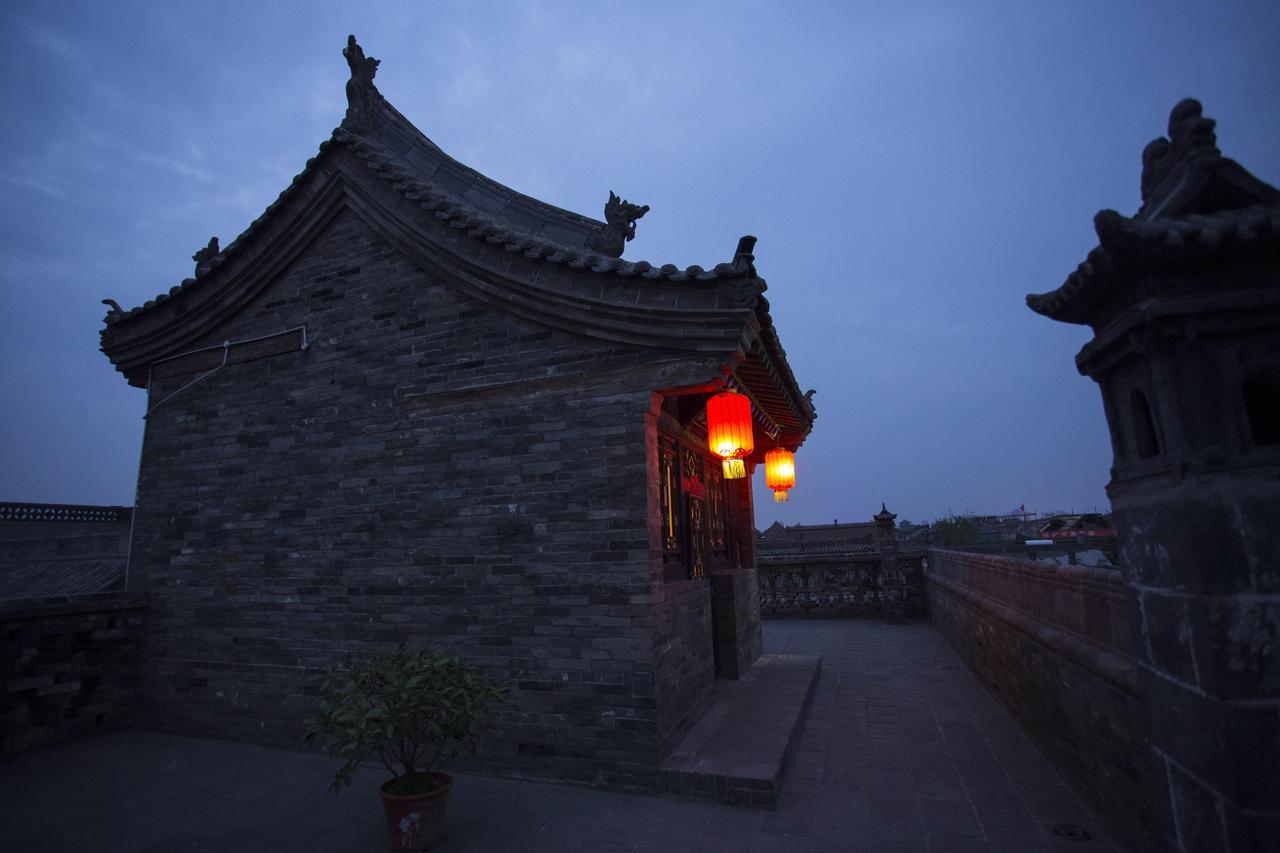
34, 184
184, 169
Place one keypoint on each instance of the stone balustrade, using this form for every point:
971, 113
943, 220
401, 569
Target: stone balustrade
832, 582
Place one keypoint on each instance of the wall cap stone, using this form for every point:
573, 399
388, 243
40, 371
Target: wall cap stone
12, 610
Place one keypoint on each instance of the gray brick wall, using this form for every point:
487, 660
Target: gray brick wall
428, 470
736, 612
684, 665
69, 667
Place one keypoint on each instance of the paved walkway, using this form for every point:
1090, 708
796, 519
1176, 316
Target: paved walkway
902, 752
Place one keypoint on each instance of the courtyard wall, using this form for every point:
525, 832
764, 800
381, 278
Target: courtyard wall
1055, 644
69, 667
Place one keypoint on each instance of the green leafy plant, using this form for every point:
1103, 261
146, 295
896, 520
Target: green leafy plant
956, 530
412, 708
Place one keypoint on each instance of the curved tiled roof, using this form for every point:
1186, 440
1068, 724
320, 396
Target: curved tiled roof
463, 198
1127, 245
553, 274
1197, 205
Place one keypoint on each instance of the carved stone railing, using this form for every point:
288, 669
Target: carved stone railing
819, 548
844, 588
835, 581
63, 513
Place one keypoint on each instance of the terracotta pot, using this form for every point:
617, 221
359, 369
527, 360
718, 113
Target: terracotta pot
416, 821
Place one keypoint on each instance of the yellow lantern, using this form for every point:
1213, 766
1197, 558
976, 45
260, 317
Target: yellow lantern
729, 433
779, 472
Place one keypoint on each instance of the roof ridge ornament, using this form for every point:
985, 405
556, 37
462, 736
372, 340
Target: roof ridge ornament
620, 217
362, 95
744, 255
204, 256
1185, 172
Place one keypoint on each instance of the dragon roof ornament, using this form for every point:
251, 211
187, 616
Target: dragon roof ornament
362, 95
1185, 173
620, 217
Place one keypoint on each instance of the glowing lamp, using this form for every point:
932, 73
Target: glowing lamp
779, 472
729, 432
734, 469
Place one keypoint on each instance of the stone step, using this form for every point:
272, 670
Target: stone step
738, 751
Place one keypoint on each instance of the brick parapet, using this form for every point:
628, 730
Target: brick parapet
1061, 675
1089, 604
71, 667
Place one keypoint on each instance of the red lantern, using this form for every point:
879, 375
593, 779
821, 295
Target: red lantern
729, 432
779, 472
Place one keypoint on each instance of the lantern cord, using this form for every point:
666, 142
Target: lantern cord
226, 354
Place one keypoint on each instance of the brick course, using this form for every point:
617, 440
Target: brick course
70, 668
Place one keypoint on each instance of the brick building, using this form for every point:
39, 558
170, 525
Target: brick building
411, 403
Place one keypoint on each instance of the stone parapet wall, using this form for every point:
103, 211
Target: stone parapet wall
832, 585
1054, 644
56, 545
71, 666
1090, 603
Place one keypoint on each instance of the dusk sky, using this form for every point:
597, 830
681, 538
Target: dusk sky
911, 172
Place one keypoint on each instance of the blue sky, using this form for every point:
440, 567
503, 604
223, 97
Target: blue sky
911, 171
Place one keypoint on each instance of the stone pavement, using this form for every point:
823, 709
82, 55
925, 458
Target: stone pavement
902, 752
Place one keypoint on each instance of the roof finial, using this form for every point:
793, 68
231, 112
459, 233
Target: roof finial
204, 256
361, 93
620, 216
1190, 137
743, 256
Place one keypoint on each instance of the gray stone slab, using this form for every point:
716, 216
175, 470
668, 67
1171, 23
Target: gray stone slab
737, 752
140, 791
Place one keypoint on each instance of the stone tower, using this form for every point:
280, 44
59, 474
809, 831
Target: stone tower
1184, 302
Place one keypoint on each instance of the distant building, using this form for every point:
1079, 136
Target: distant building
51, 550
1085, 526
778, 538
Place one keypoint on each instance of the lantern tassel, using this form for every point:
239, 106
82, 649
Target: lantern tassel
781, 496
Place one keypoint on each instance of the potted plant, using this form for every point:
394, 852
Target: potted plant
413, 709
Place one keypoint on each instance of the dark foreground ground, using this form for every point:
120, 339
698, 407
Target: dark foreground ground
902, 752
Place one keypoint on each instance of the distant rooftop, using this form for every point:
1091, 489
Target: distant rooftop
62, 549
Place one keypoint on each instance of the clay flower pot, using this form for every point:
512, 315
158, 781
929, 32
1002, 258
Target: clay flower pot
416, 821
